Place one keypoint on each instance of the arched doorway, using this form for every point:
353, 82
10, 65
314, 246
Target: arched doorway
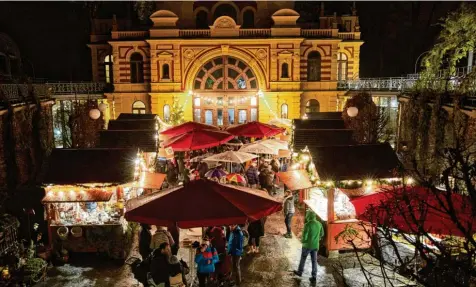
225, 91
312, 107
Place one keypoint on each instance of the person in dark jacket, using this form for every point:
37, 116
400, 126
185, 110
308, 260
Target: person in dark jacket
175, 233
252, 176
160, 266
255, 230
145, 237
235, 249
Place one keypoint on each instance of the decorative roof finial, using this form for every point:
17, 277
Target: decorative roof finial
354, 9
114, 23
322, 9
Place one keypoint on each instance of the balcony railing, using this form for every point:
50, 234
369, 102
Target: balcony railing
348, 35
378, 84
129, 34
76, 88
194, 33
250, 33
317, 33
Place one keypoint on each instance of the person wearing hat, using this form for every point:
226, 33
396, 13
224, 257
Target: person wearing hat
206, 258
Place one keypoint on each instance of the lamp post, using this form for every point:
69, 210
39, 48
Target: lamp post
416, 62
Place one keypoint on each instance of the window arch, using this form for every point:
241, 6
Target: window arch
165, 72
201, 20
108, 60
312, 106
248, 19
166, 113
3, 64
341, 66
137, 68
225, 10
138, 107
225, 73
285, 70
284, 111
314, 66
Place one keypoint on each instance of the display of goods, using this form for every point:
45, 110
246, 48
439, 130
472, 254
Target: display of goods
63, 232
77, 231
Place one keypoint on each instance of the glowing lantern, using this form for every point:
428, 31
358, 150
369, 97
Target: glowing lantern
352, 112
102, 107
94, 114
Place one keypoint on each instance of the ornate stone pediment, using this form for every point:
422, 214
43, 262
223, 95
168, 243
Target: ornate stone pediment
224, 26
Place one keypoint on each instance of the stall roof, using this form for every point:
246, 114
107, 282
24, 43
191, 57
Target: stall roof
124, 116
355, 162
295, 179
95, 165
326, 116
138, 139
154, 180
326, 137
321, 124
91, 195
123, 125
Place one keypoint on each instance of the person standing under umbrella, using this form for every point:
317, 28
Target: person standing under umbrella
145, 237
255, 230
235, 249
160, 236
252, 176
206, 258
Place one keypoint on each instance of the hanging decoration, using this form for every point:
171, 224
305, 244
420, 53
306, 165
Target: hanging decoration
94, 114
102, 107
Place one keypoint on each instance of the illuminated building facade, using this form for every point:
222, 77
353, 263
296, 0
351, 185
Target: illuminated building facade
226, 62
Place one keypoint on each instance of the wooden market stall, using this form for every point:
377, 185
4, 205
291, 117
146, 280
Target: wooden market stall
85, 195
342, 173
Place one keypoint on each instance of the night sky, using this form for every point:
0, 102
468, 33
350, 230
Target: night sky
52, 36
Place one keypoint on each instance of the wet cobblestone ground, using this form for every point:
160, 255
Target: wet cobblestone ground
273, 266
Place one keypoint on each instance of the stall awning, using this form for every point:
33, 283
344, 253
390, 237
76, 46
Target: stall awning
295, 179
153, 180
65, 194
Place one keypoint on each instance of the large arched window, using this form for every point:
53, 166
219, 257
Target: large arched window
108, 68
284, 111
166, 113
341, 67
138, 107
225, 10
314, 66
225, 73
201, 20
137, 68
248, 19
285, 70
3, 64
165, 72
312, 106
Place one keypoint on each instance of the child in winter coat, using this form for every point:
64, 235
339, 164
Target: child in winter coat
206, 258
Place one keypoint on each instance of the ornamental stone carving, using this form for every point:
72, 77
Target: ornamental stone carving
189, 54
261, 54
224, 22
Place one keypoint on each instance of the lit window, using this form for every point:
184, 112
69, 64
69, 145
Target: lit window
341, 67
253, 101
254, 114
166, 113
242, 116
209, 117
138, 107
284, 111
220, 101
196, 102
219, 117
108, 68
197, 115
231, 116
241, 83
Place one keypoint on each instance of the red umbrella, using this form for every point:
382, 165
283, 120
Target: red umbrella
198, 139
187, 127
398, 208
202, 203
255, 130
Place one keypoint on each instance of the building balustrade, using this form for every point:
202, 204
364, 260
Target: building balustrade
317, 33
129, 34
194, 33
255, 33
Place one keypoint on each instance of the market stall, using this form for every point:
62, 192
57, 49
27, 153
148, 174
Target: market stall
85, 196
338, 174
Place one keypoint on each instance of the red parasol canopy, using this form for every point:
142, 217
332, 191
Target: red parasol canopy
255, 130
198, 139
202, 203
397, 208
187, 127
